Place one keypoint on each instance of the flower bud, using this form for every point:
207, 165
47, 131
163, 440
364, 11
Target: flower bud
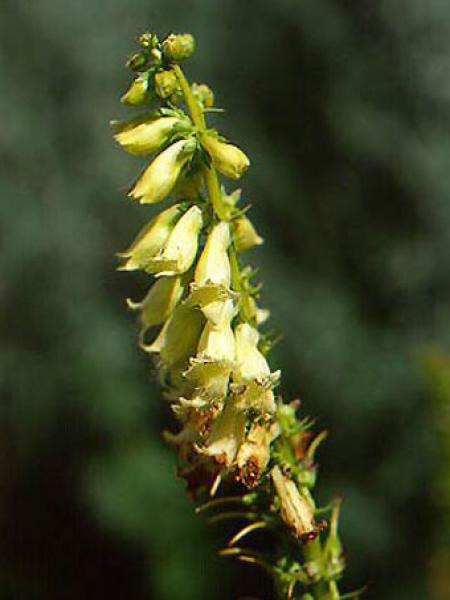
160, 176
178, 46
159, 302
147, 137
296, 509
228, 159
137, 93
148, 40
244, 235
150, 240
180, 250
203, 94
166, 84
137, 61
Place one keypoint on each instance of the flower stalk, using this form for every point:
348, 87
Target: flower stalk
244, 453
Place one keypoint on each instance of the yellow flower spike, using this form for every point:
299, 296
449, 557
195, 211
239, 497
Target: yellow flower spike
160, 176
150, 240
227, 434
227, 159
159, 302
180, 250
137, 93
296, 510
244, 235
147, 137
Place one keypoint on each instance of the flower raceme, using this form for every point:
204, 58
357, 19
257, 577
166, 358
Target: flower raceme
200, 320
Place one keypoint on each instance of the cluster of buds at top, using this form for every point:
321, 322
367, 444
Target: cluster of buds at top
199, 321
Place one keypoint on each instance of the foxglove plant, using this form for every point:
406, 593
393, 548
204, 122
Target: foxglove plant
244, 453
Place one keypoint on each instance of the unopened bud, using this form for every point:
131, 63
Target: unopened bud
157, 181
147, 136
137, 61
166, 84
137, 93
245, 236
148, 40
204, 94
178, 46
227, 159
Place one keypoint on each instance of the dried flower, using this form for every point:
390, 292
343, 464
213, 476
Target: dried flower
296, 510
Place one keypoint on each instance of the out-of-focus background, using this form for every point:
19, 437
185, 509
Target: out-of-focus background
344, 108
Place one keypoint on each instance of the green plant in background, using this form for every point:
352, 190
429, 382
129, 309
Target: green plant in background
244, 453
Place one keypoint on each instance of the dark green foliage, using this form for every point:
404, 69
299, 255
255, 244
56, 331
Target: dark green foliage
343, 106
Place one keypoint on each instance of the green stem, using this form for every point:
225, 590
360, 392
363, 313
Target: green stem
198, 118
214, 192
312, 552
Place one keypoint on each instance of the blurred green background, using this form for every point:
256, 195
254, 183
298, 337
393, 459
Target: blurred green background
344, 108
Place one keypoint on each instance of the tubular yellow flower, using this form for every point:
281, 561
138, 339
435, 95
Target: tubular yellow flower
296, 509
244, 235
213, 273
180, 250
227, 159
253, 381
147, 137
214, 264
227, 435
250, 363
210, 369
178, 337
217, 342
150, 240
160, 176
159, 302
